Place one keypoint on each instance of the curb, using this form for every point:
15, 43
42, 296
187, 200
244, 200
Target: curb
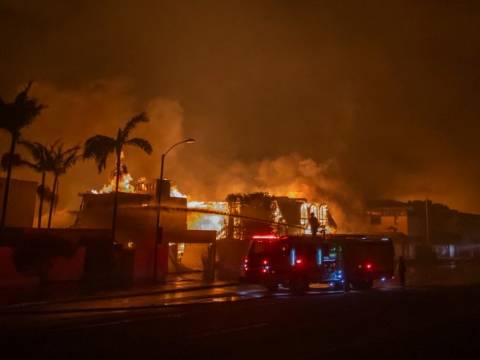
21, 306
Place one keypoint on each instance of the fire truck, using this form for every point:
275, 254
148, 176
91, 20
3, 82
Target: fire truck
341, 261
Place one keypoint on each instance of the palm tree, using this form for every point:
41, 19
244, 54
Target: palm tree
7, 158
99, 147
42, 163
62, 160
14, 117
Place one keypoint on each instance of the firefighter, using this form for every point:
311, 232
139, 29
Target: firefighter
314, 224
402, 269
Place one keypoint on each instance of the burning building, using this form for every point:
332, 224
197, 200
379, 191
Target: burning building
255, 213
136, 228
191, 228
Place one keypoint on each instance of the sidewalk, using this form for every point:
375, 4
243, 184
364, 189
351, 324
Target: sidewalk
65, 293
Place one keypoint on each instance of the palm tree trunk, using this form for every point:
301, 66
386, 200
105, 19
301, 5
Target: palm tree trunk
42, 197
57, 198
115, 197
52, 203
7, 183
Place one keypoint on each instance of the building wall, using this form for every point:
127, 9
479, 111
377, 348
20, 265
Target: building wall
21, 202
384, 221
136, 225
452, 234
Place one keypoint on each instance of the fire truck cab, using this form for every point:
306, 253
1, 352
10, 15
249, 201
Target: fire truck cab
342, 261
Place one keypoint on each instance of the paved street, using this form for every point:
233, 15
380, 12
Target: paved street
245, 321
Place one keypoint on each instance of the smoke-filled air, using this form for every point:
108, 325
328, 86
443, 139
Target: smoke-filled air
281, 97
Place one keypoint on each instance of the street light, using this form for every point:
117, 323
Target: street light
159, 201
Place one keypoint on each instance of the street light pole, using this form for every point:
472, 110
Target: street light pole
158, 229
427, 221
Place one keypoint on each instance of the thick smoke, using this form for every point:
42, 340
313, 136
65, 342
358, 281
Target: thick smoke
100, 108
287, 175
391, 112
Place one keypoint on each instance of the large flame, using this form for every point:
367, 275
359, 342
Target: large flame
212, 215
174, 192
125, 181
207, 215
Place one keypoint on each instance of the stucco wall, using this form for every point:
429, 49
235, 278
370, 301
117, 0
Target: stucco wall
21, 202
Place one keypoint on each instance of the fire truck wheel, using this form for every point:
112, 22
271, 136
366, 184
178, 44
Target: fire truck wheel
338, 286
364, 285
299, 286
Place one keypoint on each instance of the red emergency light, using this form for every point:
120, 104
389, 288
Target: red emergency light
265, 237
368, 266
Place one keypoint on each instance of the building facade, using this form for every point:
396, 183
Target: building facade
421, 225
21, 202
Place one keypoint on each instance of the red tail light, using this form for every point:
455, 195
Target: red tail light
369, 266
299, 261
265, 262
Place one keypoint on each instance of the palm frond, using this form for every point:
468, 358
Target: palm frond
142, 117
99, 147
27, 108
15, 160
22, 96
36, 150
16, 115
70, 157
141, 143
61, 159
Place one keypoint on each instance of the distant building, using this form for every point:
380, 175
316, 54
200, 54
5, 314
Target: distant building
450, 233
21, 202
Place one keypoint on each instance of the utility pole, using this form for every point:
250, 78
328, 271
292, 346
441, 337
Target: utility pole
427, 221
158, 227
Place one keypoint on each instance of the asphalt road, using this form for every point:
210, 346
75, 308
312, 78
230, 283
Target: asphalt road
246, 322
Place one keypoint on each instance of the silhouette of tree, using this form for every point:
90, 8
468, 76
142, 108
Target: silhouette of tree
14, 117
42, 163
99, 147
7, 158
62, 161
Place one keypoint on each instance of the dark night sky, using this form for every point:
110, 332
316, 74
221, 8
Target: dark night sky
388, 92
